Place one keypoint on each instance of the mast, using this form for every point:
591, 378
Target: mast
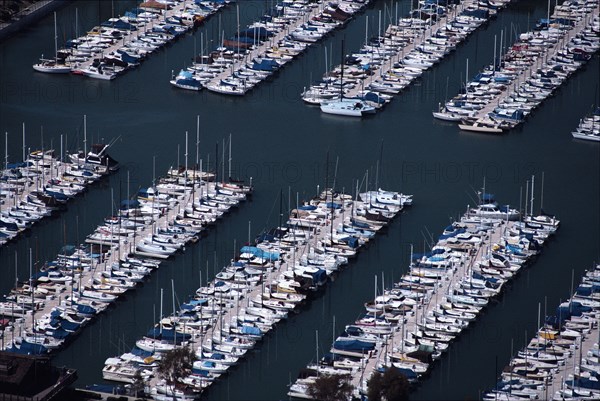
342, 76
55, 39
6, 150
466, 75
186, 158
23, 141
531, 202
494, 65
161, 310
84, 137
197, 139
229, 157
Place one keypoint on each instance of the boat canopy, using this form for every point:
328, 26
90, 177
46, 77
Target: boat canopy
254, 331
259, 253
353, 345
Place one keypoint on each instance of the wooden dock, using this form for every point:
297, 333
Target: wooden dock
133, 35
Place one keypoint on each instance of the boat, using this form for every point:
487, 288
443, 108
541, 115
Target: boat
56, 65
481, 126
346, 107
186, 80
97, 156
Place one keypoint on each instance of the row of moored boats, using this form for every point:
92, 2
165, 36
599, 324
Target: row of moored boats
260, 50
66, 293
386, 64
229, 316
529, 72
412, 324
122, 43
565, 346
42, 184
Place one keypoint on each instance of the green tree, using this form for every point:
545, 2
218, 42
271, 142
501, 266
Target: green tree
176, 363
389, 386
137, 387
331, 388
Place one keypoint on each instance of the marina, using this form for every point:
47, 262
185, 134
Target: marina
122, 43
260, 50
389, 63
62, 296
281, 146
268, 281
503, 95
561, 361
411, 324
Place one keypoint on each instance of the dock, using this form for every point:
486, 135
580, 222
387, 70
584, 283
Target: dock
110, 254
524, 75
34, 176
388, 66
82, 67
438, 298
231, 308
444, 286
261, 50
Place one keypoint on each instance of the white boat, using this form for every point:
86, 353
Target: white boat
586, 136
53, 66
152, 345
480, 127
117, 370
347, 107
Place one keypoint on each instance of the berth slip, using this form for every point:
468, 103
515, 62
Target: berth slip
44, 181
410, 325
561, 360
268, 281
257, 52
392, 60
57, 301
122, 43
501, 96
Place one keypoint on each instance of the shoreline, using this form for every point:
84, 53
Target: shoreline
28, 16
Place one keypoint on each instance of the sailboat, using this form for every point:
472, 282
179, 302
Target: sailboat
53, 66
346, 107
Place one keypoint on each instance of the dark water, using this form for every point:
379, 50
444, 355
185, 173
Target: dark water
282, 144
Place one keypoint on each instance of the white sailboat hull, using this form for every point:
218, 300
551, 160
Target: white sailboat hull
60, 69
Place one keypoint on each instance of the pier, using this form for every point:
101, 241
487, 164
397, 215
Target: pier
559, 352
261, 50
40, 186
86, 271
527, 73
441, 295
232, 309
388, 67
